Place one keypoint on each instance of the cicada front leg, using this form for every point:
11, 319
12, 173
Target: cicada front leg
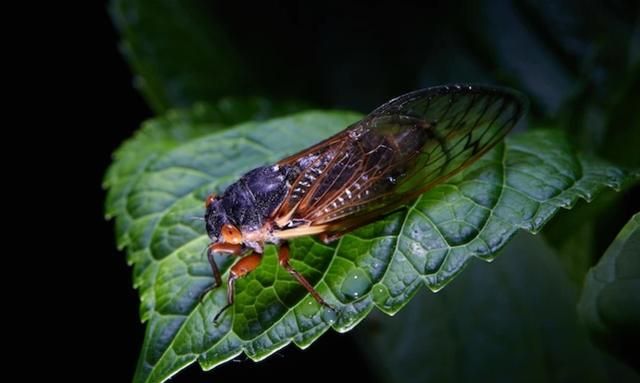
218, 248
243, 267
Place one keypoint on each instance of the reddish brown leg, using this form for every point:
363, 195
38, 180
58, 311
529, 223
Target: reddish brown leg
243, 267
283, 258
218, 248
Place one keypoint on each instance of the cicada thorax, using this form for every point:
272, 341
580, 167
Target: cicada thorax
248, 205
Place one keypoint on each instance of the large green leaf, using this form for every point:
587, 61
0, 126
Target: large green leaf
519, 185
610, 301
511, 321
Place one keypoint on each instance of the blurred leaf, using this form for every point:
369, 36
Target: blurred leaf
525, 55
178, 51
622, 138
581, 235
517, 185
511, 321
610, 301
561, 52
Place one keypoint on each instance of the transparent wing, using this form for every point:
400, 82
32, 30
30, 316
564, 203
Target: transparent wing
396, 153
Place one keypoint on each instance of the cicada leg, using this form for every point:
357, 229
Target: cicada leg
218, 248
283, 258
243, 267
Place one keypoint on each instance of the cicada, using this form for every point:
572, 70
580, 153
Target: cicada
370, 169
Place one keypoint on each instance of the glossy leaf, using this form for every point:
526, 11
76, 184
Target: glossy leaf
610, 303
518, 185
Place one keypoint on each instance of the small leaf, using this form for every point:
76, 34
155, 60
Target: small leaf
610, 303
517, 185
511, 321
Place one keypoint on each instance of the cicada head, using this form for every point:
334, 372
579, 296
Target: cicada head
220, 227
215, 217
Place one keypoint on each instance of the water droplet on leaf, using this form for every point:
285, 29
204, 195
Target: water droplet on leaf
328, 315
380, 293
356, 284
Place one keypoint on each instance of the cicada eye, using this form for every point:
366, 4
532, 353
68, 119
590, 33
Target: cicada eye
209, 200
231, 234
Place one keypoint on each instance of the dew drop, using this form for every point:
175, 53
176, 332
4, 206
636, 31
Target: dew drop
527, 226
356, 284
380, 293
309, 308
329, 315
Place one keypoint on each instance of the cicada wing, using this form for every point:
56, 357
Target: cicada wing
308, 171
396, 153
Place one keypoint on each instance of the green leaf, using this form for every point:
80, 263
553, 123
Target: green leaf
610, 303
520, 307
519, 185
178, 51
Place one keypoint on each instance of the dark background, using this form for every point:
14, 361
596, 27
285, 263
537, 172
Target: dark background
368, 44
112, 324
